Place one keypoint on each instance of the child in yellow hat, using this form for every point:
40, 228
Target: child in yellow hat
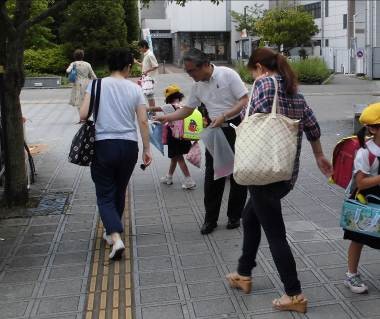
176, 147
367, 180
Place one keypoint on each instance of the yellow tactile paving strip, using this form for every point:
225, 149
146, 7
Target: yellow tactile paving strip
109, 289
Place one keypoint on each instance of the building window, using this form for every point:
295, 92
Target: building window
326, 42
345, 21
326, 8
314, 9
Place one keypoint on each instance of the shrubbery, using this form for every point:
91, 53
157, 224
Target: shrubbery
47, 61
244, 73
311, 70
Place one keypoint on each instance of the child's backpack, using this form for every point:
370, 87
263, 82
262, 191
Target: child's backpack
343, 160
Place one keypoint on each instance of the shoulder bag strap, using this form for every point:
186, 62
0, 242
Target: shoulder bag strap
275, 98
92, 99
250, 101
97, 99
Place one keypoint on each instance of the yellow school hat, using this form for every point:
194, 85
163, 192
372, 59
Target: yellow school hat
171, 89
370, 115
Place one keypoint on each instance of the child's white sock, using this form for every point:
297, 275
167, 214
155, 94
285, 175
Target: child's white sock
350, 275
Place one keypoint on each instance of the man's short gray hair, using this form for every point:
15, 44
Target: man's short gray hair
196, 56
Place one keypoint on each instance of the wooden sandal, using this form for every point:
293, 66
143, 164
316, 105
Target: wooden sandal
240, 282
295, 304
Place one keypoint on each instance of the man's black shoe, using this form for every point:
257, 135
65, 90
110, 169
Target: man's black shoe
208, 228
233, 223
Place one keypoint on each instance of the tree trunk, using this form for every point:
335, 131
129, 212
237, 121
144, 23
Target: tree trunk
16, 192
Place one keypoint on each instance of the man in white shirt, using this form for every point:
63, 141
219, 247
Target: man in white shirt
224, 95
149, 66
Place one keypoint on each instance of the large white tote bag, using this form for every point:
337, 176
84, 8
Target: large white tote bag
265, 147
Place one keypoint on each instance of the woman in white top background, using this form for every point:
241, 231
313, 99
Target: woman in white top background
84, 75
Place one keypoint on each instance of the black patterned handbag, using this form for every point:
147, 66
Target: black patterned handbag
83, 145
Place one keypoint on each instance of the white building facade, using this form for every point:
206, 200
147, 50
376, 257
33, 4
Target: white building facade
349, 36
199, 24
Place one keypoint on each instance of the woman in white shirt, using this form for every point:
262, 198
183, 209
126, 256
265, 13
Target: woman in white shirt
116, 147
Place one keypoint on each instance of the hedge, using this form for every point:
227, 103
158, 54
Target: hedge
46, 61
309, 71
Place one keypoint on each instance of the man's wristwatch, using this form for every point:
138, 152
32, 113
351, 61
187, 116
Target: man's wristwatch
224, 117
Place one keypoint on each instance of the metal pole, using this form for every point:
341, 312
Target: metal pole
163, 67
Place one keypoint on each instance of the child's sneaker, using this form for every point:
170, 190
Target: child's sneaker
355, 283
168, 180
189, 183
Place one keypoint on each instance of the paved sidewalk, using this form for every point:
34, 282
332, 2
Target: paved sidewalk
47, 262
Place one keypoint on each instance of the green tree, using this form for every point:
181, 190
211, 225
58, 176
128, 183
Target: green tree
247, 21
290, 27
14, 24
96, 26
131, 8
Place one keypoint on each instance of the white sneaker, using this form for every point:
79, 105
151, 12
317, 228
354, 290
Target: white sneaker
355, 284
189, 184
168, 180
108, 239
117, 250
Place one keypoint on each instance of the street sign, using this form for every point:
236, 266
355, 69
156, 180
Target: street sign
360, 53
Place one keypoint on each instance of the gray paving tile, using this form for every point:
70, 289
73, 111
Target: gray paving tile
150, 251
205, 289
318, 293
13, 310
11, 292
327, 312
45, 220
152, 239
327, 259
156, 278
373, 269
81, 235
150, 229
197, 260
159, 312
70, 258
74, 245
26, 250
38, 239
67, 271
58, 305
41, 229
259, 302
273, 315
220, 306
368, 308
62, 287
203, 273
20, 276
154, 263
27, 261
161, 294
315, 247
197, 247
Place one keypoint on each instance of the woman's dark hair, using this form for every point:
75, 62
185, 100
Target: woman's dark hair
275, 62
197, 57
78, 55
172, 97
363, 132
118, 59
143, 44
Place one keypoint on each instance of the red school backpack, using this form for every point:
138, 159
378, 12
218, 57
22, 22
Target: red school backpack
343, 160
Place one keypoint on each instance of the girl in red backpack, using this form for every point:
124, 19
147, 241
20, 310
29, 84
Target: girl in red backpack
366, 179
176, 147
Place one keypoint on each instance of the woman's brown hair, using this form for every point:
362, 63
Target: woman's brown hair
275, 62
78, 55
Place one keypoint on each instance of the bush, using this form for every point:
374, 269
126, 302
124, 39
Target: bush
46, 61
102, 72
311, 70
244, 73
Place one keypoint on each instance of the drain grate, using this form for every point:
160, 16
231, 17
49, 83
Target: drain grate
50, 204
